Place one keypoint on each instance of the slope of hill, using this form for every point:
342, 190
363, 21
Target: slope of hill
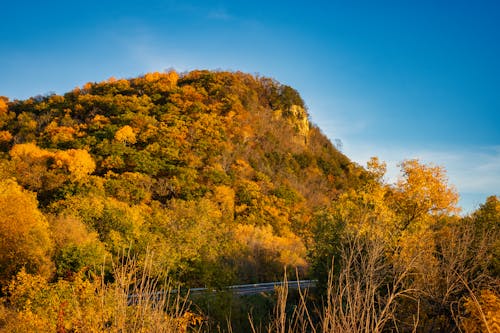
217, 173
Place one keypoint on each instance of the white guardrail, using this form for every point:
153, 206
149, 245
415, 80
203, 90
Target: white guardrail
241, 289
247, 289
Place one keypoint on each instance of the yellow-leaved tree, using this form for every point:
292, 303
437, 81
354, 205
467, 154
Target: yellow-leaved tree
78, 162
24, 233
425, 204
40, 169
365, 209
264, 255
420, 198
422, 192
483, 313
125, 135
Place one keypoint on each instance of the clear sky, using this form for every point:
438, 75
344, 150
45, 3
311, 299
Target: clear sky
396, 79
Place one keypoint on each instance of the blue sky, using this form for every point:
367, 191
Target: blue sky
395, 79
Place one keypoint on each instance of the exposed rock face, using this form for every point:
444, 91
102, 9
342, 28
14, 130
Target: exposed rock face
301, 120
298, 117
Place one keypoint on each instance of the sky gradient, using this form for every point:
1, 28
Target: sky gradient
394, 79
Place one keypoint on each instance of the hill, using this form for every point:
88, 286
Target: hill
219, 178
218, 173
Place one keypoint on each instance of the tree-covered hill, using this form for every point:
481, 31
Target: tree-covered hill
218, 173
219, 178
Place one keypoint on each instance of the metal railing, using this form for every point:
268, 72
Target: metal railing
240, 289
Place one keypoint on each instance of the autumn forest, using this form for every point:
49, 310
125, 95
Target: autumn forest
170, 181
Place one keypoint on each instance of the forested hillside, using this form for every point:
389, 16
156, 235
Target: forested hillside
216, 173
218, 178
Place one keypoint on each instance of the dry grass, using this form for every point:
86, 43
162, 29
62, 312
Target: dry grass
361, 297
132, 301
140, 303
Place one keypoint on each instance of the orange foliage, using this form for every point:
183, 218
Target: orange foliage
5, 136
3, 105
163, 81
87, 86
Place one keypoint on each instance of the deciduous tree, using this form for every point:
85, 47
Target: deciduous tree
24, 233
422, 191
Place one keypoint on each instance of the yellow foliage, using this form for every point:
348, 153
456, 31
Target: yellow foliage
125, 134
70, 230
77, 161
242, 168
163, 81
59, 134
224, 196
55, 99
483, 313
417, 253
377, 168
25, 292
287, 250
40, 169
366, 210
189, 98
151, 77
88, 208
26, 122
30, 166
93, 305
173, 76
29, 151
24, 233
423, 191
113, 162
100, 121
